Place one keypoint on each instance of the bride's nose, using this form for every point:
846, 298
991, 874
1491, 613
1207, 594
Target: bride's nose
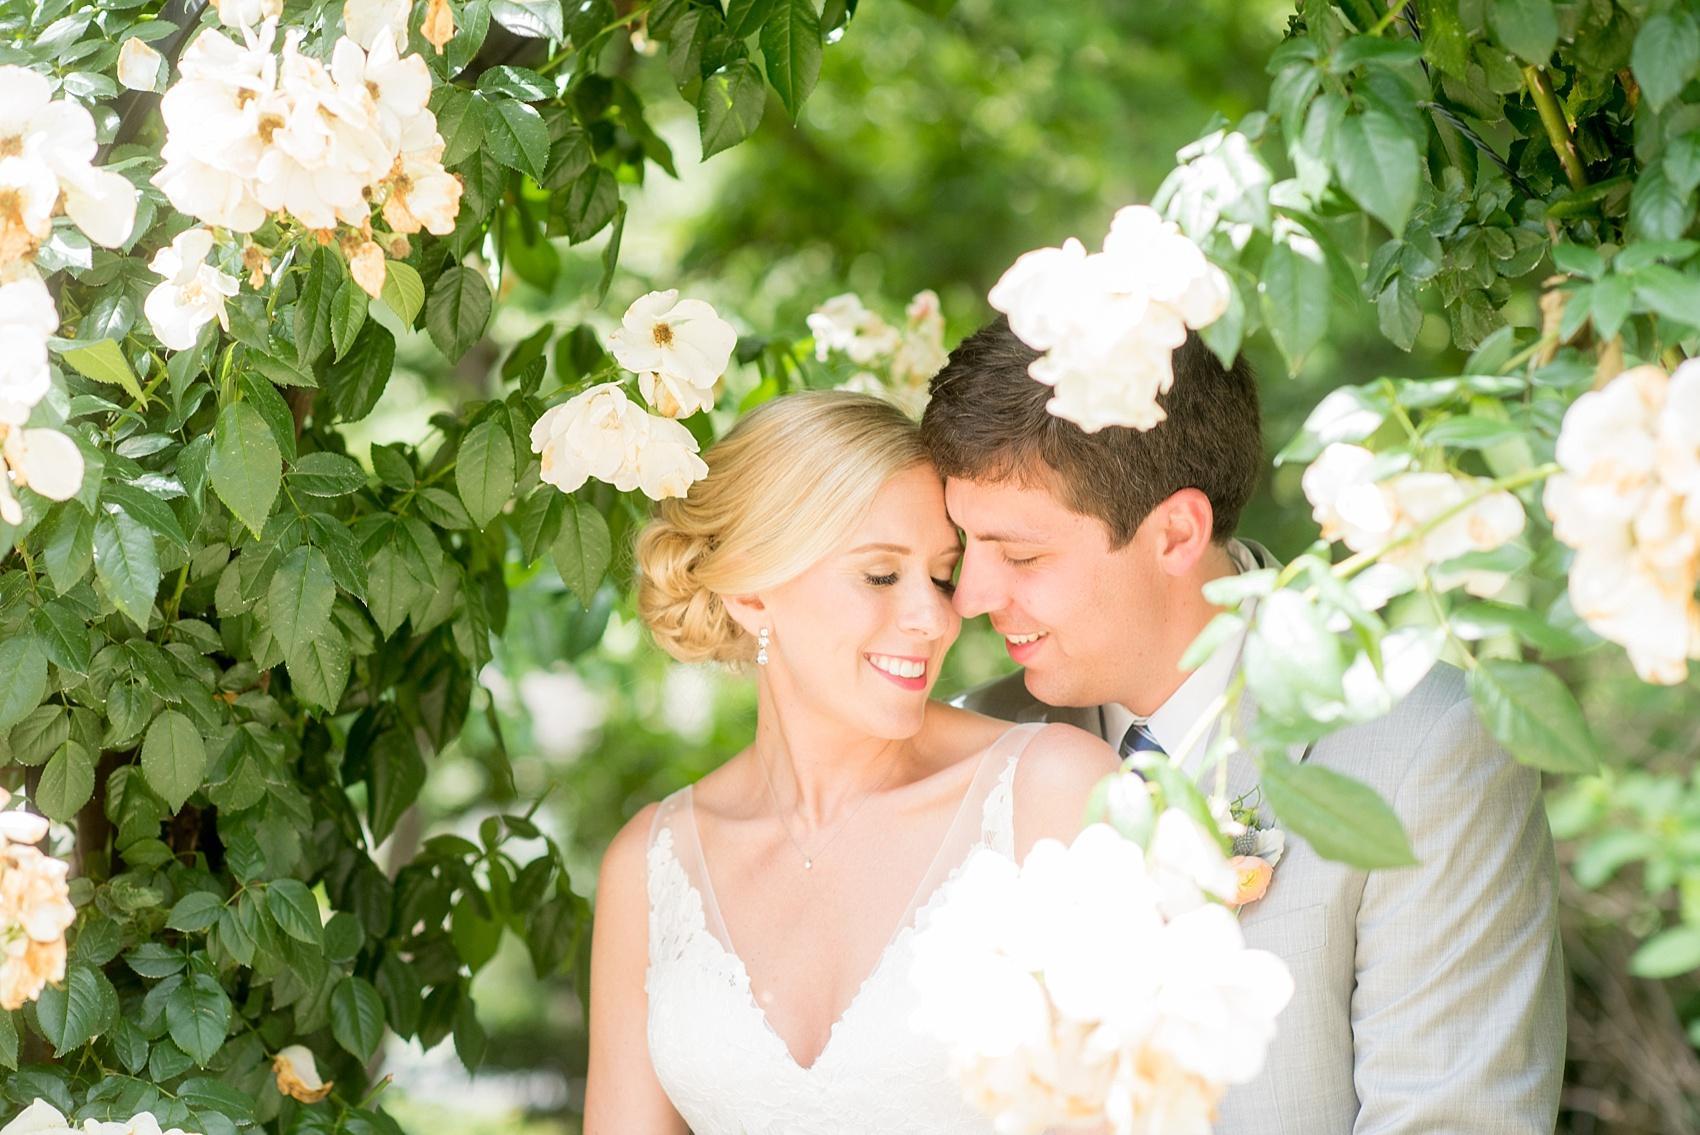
926, 612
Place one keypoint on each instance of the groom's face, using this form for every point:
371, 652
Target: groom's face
1073, 610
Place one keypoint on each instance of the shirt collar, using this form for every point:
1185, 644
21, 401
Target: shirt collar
1173, 720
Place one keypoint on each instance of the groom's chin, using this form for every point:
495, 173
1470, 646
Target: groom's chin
1053, 688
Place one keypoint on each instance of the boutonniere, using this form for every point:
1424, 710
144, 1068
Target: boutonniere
1257, 849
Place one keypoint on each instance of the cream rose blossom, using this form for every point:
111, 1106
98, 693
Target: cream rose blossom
42, 1118
678, 349
1078, 989
601, 433
193, 292
1628, 501
1108, 322
35, 910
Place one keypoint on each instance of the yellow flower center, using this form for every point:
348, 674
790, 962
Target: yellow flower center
11, 147
663, 335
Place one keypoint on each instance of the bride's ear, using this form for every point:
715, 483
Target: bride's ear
748, 611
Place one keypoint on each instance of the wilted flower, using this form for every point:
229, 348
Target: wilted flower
678, 348
193, 293
140, 67
367, 267
1356, 501
438, 26
601, 433
1067, 995
1108, 322
298, 1075
1628, 501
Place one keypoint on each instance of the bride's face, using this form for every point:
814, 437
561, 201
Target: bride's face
861, 634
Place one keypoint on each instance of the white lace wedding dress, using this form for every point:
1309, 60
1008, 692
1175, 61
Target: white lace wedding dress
722, 1064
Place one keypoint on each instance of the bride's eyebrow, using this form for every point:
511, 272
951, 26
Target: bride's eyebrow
899, 549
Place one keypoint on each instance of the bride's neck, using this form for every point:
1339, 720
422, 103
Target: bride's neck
819, 769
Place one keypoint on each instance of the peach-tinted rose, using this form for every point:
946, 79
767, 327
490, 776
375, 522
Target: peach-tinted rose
1252, 875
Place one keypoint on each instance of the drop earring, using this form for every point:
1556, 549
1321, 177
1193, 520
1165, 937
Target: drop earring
761, 647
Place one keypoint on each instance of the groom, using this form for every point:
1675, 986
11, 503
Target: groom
1429, 998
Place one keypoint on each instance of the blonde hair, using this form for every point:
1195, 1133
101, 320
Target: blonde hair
785, 486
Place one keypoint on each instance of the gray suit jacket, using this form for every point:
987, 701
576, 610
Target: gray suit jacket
1430, 999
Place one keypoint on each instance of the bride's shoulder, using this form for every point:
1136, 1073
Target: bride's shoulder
623, 870
1062, 757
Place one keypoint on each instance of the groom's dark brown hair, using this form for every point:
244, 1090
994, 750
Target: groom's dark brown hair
987, 421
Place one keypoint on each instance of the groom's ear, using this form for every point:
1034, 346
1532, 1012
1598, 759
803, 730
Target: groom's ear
1184, 523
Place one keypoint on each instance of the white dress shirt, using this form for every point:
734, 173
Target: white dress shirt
1173, 721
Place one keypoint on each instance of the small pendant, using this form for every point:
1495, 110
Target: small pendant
808, 864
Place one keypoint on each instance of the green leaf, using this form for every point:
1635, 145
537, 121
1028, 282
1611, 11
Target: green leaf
583, 549
1295, 296
1669, 293
1534, 716
358, 380
791, 48
318, 668
484, 470
104, 362
611, 254
475, 937
515, 133
390, 589
1658, 210
457, 311
729, 107
314, 305
520, 83
398, 773
153, 513
1343, 819
404, 291
588, 204
459, 120
535, 19
126, 564
72, 1014
25, 684
1445, 42
66, 783
324, 474
64, 637
246, 465
198, 1015
295, 910
357, 1017
8, 1042
745, 17
1466, 431
1670, 953
70, 547
1379, 165
299, 598
348, 313
1526, 28
1666, 56
174, 758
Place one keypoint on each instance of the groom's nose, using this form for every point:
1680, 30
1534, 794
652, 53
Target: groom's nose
977, 587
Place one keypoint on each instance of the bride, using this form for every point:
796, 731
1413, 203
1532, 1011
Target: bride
749, 966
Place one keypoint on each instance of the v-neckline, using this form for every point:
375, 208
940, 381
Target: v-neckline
712, 902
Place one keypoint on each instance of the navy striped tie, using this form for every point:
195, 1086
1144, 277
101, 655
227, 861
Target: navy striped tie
1139, 739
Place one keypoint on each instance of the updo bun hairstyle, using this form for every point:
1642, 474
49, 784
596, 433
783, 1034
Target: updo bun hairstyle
785, 486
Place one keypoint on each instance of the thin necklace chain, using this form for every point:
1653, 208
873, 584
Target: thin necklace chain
785, 826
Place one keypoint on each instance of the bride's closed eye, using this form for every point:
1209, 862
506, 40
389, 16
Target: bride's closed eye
890, 578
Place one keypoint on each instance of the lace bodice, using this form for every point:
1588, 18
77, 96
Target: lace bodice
722, 1064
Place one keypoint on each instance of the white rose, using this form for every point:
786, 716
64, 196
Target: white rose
667, 463
366, 21
682, 339
598, 433
39, 1118
193, 292
1677, 452
33, 192
1043, 293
